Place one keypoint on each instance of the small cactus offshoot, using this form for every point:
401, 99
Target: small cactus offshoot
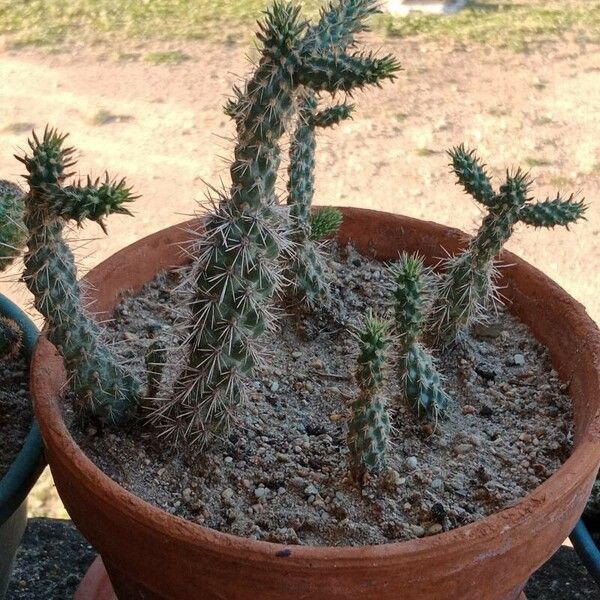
103, 387
11, 339
325, 223
13, 233
369, 427
467, 286
421, 382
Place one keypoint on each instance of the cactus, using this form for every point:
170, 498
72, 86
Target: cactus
369, 427
305, 263
12, 230
421, 382
325, 222
235, 271
467, 286
11, 339
102, 386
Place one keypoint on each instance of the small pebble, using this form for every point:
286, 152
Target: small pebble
412, 462
392, 479
468, 409
435, 529
427, 429
260, 492
519, 360
418, 530
311, 490
274, 386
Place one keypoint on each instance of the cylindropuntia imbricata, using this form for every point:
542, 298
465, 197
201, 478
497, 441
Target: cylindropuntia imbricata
102, 385
12, 229
467, 285
235, 272
421, 381
11, 339
369, 426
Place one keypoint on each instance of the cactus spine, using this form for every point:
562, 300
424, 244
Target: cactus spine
422, 384
306, 265
369, 427
101, 384
11, 339
466, 287
235, 272
12, 229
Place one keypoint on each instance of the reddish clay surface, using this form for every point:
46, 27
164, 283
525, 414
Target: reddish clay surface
96, 584
152, 555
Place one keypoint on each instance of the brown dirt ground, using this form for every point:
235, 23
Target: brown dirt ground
539, 110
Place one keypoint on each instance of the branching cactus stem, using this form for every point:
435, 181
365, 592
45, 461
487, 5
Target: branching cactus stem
235, 272
13, 233
103, 387
467, 286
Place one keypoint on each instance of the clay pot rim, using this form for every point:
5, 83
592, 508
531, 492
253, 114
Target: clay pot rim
559, 485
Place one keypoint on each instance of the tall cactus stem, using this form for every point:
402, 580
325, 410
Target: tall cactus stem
235, 272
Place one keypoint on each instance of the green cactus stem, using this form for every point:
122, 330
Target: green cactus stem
11, 339
103, 387
369, 427
235, 272
467, 286
305, 262
421, 382
332, 72
13, 233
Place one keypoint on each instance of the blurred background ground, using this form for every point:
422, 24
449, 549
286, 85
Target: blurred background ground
140, 86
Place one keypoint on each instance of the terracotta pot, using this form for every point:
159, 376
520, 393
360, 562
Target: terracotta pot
150, 554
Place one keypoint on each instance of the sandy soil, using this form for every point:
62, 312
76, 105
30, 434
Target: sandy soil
539, 110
